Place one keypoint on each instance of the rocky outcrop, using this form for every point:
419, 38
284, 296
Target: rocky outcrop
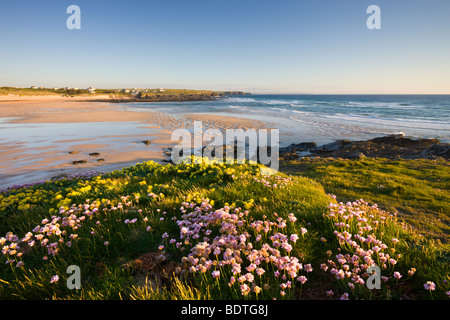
391, 147
299, 147
437, 150
158, 97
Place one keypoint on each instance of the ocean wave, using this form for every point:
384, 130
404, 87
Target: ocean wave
280, 109
301, 112
393, 122
279, 102
237, 107
384, 105
239, 100
284, 110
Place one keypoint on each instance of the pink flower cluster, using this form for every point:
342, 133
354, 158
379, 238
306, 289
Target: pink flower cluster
226, 244
274, 181
57, 232
356, 225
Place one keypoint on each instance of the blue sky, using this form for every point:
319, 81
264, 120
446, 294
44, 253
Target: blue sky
263, 46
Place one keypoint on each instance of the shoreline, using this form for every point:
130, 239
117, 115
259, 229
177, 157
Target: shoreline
288, 155
43, 138
47, 137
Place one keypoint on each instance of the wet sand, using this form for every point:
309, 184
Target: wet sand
42, 137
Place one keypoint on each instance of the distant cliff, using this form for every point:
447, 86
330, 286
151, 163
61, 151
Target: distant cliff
232, 93
169, 97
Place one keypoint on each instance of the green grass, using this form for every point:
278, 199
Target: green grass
114, 92
238, 210
418, 190
47, 91
4, 91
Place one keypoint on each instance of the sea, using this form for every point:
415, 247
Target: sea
326, 118
36, 151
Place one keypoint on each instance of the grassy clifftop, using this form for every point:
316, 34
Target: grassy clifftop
418, 190
149, 94
207, 231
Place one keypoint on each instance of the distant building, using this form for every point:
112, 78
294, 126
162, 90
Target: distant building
91, 90
34, 87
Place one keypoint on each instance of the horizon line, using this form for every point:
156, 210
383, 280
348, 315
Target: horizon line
253, 92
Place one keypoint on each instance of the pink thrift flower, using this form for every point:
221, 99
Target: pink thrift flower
54, 279
430, 285
344, 296
245, 289
308, 268
302, 279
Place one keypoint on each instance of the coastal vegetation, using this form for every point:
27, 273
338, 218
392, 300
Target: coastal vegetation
416, 190
226, 231
132, 93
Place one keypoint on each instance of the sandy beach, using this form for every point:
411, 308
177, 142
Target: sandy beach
45, 136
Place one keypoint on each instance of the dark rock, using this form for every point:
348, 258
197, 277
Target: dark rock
356, 155
79, 161
101, 159
146, 142
401, 141
304, 146
390, 147
73, 152
437, 150
289, 156
334, 146
94, 154
388, 139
